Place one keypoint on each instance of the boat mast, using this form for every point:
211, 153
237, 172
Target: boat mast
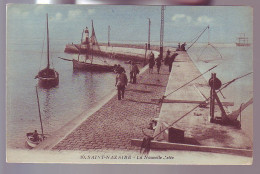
92, 35
39, 109
48, 56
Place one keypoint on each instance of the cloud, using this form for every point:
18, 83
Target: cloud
177, 18
39, 9
18, 13
204, 20
57, 17
72, 14
91, 11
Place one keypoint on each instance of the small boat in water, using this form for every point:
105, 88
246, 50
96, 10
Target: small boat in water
242, 41
48, 77
33, 139
78, 65
89, 46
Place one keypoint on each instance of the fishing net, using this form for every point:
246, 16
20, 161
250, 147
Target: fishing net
204, 52
207, 53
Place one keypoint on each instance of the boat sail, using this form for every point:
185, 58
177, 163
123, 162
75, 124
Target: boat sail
48, 77
242, 40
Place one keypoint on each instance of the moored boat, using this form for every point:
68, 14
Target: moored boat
48, 77
89, 46
33, 139
78, 65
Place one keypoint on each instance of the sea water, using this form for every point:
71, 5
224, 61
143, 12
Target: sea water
233, 62
79, 91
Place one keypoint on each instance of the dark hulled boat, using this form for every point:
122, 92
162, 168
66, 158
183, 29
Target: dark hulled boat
89, 46
48, 77
77, 65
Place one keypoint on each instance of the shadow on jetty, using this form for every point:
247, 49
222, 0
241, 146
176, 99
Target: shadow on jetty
144, 102
139, 91
148, 84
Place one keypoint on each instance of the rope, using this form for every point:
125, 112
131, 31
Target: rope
197, 38
213, 47
216, 50
42, 51
191, 80
51, 54
178, 119
231, 81
198, 57
240, 111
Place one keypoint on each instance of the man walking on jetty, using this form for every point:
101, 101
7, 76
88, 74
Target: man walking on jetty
135, 71
171, 60
151, 62
158, 63
121, 82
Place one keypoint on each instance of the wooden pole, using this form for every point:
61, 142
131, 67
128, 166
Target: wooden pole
212, 98
39, 109
149, 33
48, 54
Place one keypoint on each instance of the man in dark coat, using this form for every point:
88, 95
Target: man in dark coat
121, 82
171, 60
158, 63
151, 62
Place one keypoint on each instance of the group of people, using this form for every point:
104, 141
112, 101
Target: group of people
121, 78
181, 47
169, 59
153, 61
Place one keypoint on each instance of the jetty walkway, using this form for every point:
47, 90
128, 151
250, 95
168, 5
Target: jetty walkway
196, 124
118, 124
118, 121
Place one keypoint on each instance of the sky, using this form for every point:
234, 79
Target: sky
129, 23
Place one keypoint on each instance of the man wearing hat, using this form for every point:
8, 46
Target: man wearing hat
121, 82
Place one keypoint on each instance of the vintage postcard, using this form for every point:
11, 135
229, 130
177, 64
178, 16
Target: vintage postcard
129, 84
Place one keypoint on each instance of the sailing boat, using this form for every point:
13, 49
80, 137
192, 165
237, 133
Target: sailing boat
48, 77
92, 46
33, 138
243, 40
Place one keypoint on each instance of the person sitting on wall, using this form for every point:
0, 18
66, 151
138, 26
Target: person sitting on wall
183, 46
179, 47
